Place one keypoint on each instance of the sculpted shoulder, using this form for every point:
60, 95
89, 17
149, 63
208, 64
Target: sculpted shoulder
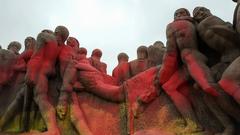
179, 25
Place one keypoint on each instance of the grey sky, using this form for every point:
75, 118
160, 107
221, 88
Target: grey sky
114, 26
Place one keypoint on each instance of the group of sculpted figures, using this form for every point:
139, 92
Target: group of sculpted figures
202, 53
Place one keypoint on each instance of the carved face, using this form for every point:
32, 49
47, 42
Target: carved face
200, 13
72, 42
180, 13
15, 49
61, 34
29, 43
97, 53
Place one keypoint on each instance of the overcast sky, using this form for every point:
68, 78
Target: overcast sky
114, 26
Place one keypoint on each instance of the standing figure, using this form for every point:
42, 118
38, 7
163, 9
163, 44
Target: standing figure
221, 37
39, 68
121, 71
141, 63
67, 59
155, 53
95, 61
176, 71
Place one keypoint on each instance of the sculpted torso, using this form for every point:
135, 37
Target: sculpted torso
182, 29
216, 41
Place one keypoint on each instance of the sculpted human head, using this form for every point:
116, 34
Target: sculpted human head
122, 57
142, 52
14, 47
181, 12
73, 42
61, 33
200, 13
43, 38
29, 43
83, 51
97, 53
48, 31
158, 44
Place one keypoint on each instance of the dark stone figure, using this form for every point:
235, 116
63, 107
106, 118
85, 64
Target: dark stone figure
141, 63
29, 43
67, 60
210, 29
155, 53
37, 79
95, 61
14, 47
182, 41
73, 42
121, 71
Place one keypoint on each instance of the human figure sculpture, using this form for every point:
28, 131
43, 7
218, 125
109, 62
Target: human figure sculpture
209, 28
40, 66
95, 61
141, 63
155, 53
229, 79
19, 69
73, 42
14, 47
190, 56
29, 43
25, 56
121, 71
182, 40
83, 54
218, 41
67, 60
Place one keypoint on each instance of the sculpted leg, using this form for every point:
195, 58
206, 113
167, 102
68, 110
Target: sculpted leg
28, 98
46, 108
93, 81
69, 78
221, 116
181, 102
77, 117
199, 70
231, 87
230, 80
12, 108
